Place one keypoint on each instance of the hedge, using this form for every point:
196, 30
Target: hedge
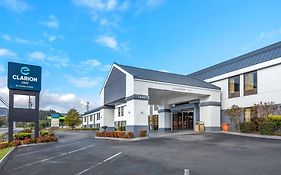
247, 127
267, 128
115, 134
22, 136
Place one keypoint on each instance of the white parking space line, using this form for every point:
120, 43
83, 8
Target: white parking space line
32, 152
98, 164
50, 158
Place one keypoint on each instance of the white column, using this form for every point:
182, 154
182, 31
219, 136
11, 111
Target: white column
107, 119
137, 117
164, 118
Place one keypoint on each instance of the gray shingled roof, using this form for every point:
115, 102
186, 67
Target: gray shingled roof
154, 75
92, 111
258, 56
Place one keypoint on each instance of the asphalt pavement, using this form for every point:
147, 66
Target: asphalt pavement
79, 153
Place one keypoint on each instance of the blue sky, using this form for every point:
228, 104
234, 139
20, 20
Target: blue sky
76, 41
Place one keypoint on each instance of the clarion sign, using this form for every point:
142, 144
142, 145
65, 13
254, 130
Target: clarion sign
24, 77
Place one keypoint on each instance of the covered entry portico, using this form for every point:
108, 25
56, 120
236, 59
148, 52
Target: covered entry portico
182, 100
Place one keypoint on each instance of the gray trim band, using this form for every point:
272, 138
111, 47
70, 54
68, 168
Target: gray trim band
164, 129
210, 103
212, 129
137, 97
164, 110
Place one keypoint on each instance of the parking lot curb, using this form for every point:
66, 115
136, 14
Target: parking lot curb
252, 135
6, 157
35, 144
123, 139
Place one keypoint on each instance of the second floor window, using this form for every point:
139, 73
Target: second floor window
250, 83
234, 87
120, 111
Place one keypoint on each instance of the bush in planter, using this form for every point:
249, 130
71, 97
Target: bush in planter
247, 127
22, 136
44, 133
129, 135
4, 145
143, 133
15, 143
267, 128
28, 141
26, 131
274, 118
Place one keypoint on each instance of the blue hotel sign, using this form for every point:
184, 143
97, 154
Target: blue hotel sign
24, 77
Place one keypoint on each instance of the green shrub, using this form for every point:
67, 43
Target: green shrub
247, 127
26, 131
276, 119
267, 128
44, 133
22, 136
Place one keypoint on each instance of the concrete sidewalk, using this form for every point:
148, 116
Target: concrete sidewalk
253, 135
158, 134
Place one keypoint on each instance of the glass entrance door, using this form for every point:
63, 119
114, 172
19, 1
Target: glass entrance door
183, 120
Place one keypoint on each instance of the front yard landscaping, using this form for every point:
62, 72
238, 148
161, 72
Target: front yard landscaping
265, 119
4, 151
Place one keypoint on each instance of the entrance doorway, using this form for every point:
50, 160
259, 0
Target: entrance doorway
183, 120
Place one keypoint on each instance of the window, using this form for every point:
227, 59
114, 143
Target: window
85, 119
247, 114
98, 116
91, 118
120, 125
120, 111
250, 83
234, 87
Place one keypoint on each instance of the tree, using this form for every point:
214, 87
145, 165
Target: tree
72, 118
265, 109
234, 114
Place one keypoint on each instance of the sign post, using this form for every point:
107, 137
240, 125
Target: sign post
23, 79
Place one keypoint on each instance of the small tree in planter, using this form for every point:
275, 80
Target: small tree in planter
234, 114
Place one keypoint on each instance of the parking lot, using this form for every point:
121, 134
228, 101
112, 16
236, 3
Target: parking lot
204, 154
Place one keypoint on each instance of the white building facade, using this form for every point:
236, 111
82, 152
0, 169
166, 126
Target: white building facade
135, 99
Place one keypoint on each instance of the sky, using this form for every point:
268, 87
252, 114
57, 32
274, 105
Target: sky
76, 41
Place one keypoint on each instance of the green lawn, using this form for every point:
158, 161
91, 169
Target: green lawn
4, 151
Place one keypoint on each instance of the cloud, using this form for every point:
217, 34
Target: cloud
7, 53
111, 42
37, 56
89, 64
2, 68
20, 40
60, 102
107, 41
53, 58
50, 38
145, 5
84, 82
269, 34
52, 22
15, 5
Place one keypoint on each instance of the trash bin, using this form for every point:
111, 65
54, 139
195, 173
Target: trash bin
197, 128
201, 126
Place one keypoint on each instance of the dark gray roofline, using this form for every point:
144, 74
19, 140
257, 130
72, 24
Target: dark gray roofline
253, 56
185, 80
91, 111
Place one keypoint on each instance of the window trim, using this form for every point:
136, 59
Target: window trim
252, 91
235, 94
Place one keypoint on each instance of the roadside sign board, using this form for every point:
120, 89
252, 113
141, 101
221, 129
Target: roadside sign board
24, 77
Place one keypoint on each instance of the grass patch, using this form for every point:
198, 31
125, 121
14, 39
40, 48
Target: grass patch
4, 151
